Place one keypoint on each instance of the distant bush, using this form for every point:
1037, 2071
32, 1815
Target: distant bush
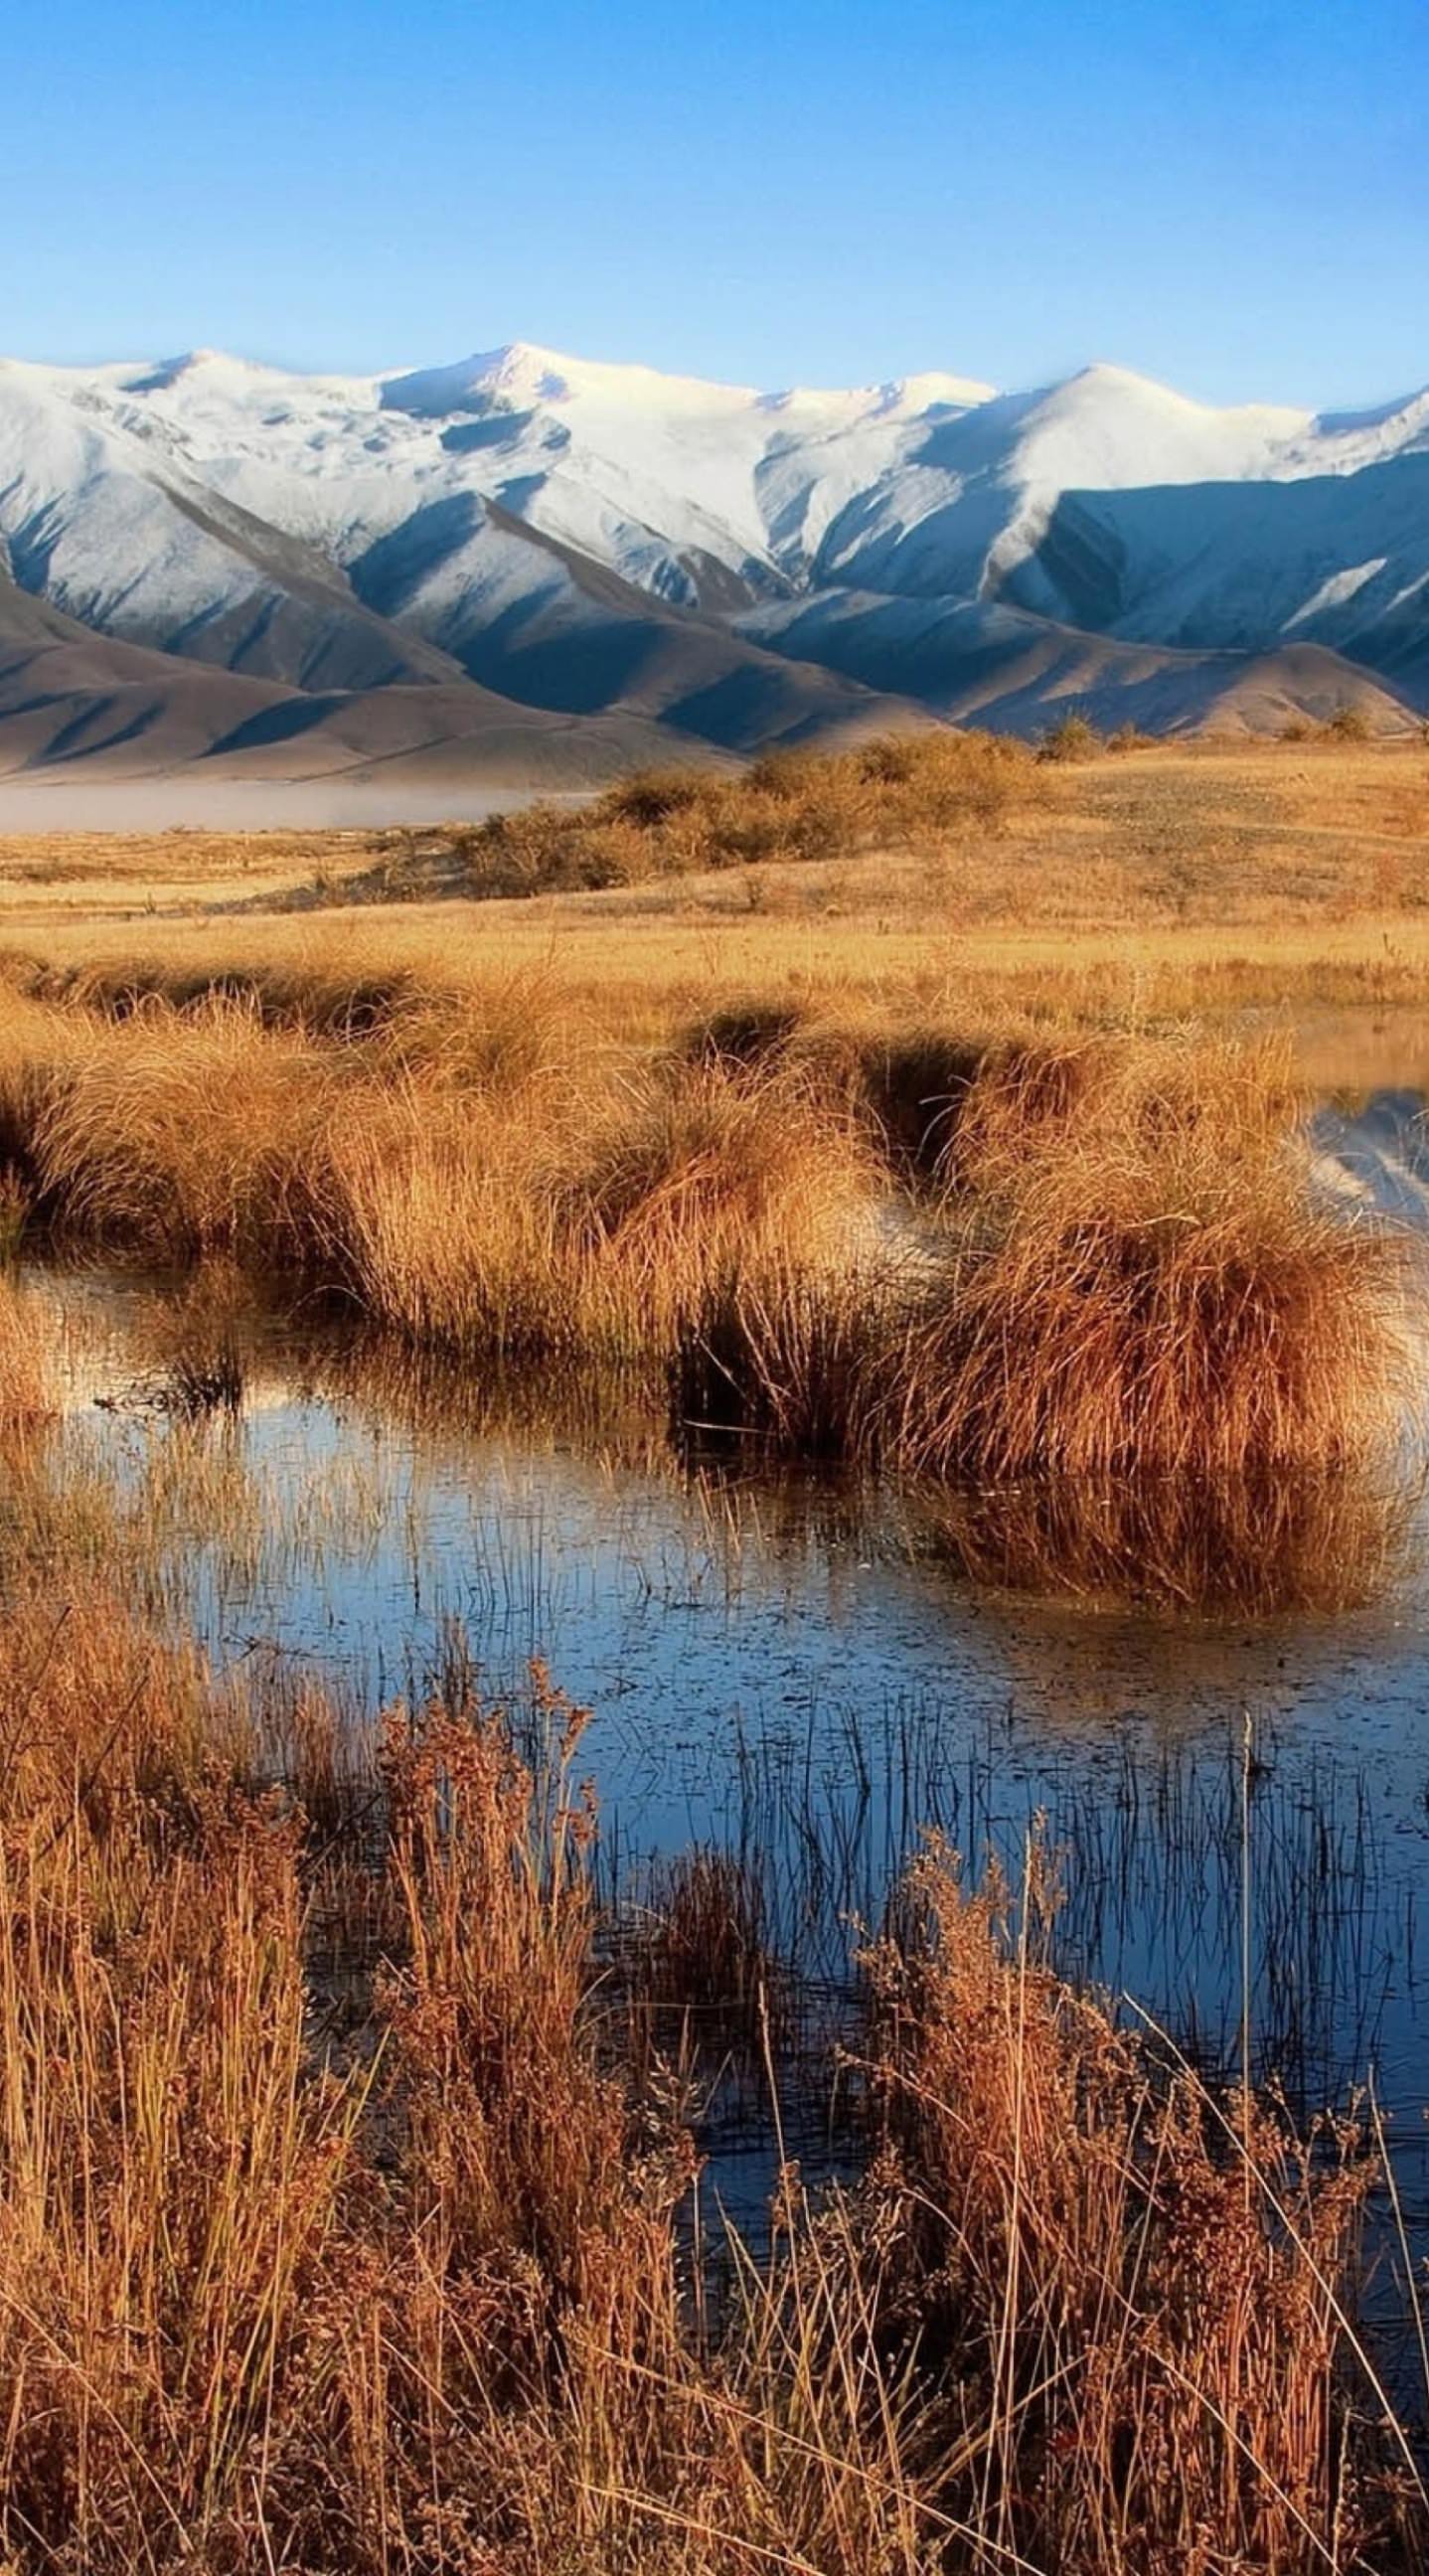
896, 792
1349, 723
1072, 739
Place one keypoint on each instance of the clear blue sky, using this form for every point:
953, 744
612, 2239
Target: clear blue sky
1233, 195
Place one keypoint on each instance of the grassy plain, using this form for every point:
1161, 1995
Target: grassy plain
1201, 877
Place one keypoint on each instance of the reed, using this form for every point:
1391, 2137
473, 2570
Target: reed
399, 2275
1149, 2285
23, 1399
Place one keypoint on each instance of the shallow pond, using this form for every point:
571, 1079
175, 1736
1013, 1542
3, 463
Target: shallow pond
798, 1674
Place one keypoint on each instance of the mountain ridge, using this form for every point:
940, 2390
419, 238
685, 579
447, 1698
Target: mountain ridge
616, 563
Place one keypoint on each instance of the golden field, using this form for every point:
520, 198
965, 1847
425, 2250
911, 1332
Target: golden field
1174, 878
977, 1155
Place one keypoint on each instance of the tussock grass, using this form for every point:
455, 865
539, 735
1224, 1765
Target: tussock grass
37, 1048
706, 1184
182, 1134
524, 1219
321, 999
437, 1212
980, 1258
1155, 1290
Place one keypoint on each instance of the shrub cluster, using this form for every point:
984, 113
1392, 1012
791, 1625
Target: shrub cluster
914, 791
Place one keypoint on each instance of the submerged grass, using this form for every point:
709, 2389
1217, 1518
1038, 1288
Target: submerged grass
398, 2276
22, 1368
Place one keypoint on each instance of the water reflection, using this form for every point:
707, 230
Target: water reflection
807, 1675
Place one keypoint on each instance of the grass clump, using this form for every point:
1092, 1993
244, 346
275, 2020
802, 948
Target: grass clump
707, 1183
435, 1211
326, 1001
181, 1134
1146, 2284
1072, 738
1149, 1330
1155, 1290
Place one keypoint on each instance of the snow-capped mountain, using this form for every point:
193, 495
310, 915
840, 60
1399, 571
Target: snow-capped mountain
581, 563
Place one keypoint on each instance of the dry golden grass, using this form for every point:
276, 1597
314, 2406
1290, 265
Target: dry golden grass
704, 1184
1205, 878
22, 1368
390, 2271
180, 1134
446, 1176
1150, 1287
1147, 2285
1054, 1256
437, 1212
633, 1124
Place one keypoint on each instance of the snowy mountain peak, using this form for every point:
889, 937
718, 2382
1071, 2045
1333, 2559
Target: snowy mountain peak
576, 534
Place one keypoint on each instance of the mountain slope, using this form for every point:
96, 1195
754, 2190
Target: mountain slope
529, 558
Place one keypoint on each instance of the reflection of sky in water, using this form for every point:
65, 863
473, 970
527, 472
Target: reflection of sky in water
817, 1700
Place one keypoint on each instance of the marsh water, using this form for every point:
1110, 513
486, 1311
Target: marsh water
802, 1675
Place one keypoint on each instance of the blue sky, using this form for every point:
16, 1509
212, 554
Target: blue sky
1231, 195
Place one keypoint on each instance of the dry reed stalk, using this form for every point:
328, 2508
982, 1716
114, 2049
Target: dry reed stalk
23, 1397
168, 2167
1157, 2329
423, 2306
